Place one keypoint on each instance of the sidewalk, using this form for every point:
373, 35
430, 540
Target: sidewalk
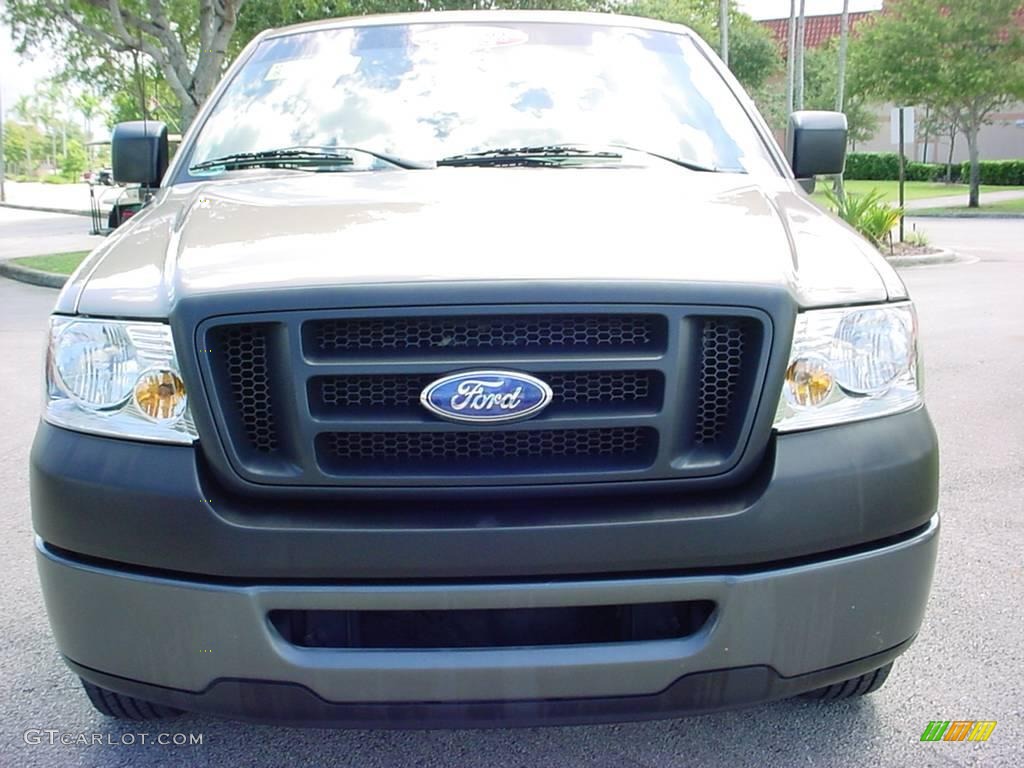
33, 233
960, 201
56, 198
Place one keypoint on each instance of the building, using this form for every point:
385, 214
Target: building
1003, 139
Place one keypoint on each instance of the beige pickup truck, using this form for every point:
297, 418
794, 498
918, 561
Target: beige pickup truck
477, 369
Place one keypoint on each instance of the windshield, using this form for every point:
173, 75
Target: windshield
436, 91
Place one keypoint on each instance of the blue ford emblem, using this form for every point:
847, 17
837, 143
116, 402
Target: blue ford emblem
483, 397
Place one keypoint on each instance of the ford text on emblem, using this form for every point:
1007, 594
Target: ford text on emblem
485, 397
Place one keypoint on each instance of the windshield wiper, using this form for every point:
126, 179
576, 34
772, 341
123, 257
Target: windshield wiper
689, 164
567, 154
295, 157
556, 154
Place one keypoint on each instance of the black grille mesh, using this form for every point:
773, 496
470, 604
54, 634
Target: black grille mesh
724, 341
249, 366
428, 450
246, 368
416, 336
402, 391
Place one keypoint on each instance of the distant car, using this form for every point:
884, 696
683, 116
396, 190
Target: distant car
103, 176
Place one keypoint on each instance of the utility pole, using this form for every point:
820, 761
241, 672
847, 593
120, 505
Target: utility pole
723, 29
790, 54
3, 192
844, 39
801, 34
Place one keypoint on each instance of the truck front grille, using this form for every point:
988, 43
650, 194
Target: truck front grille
723, 342
481, 335
400, 393
470, 452
333, 398
244, 354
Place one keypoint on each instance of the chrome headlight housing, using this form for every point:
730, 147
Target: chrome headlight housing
116, 378
850, 364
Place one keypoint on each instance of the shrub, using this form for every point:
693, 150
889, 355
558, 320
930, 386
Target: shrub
916, 237
1004, 173
929, 172
873, 166
868, 214
885, 166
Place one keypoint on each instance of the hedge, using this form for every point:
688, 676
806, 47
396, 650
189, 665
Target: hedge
1003, 173
885, 166
874, 166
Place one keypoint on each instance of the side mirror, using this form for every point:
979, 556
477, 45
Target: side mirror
816, 143
138, 152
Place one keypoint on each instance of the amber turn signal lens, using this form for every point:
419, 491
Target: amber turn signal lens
160, 394
808, 382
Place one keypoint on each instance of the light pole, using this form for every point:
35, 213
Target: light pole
723, 29
3, 193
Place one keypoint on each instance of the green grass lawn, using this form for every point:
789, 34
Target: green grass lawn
913, 190
60, 263
1004, 206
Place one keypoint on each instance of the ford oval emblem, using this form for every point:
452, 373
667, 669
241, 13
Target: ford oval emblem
486, 397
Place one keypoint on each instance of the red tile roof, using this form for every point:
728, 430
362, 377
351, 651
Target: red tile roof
818, 30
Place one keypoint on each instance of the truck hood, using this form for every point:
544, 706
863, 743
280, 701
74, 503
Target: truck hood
282, 231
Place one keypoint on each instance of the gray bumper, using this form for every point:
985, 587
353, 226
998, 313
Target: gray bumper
186, 635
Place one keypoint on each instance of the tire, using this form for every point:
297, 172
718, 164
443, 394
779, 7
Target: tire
126, 707
852, 688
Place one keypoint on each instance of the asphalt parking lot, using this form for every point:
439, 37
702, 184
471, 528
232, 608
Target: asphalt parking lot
968, 662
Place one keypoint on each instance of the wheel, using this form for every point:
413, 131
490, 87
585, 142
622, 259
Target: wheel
126, 707
855, 686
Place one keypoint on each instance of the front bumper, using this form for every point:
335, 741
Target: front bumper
158, 507
207, 645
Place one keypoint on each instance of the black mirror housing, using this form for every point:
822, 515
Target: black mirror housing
138, 152
816, 143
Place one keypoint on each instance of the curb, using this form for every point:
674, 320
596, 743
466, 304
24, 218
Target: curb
943, 256
44, 209
32, 276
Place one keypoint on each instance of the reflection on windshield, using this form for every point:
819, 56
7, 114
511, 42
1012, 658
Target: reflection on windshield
429, 91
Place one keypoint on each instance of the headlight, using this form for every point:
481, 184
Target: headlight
850, 364
117, 378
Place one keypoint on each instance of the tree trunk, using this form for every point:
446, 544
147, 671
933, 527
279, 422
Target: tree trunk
187, 114
949, 159
973, 199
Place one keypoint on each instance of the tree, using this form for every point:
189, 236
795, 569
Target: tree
821, 91
966, 58
187, 39
753, 57
74, 160
944, 123
24, 146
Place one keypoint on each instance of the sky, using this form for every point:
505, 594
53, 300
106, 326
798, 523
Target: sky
777, 9
19, 76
